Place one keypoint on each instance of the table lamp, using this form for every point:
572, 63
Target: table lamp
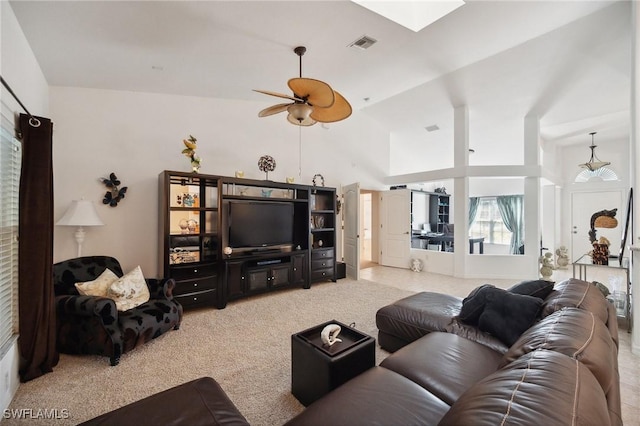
80, 213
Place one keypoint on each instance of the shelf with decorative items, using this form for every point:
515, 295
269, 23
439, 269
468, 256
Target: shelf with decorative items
322, 231
189, 235
258, 191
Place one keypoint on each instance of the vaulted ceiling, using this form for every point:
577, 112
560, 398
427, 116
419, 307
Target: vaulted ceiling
568, 62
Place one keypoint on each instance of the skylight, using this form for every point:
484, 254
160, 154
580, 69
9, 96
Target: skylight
412, 14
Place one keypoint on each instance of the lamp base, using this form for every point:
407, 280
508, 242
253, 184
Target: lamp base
80, 234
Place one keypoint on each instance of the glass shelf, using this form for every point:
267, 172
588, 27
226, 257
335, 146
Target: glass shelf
251, 191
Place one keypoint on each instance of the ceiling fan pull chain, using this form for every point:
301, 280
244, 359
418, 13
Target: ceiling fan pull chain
300, 152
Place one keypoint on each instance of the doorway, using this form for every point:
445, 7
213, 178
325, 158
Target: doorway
368, 228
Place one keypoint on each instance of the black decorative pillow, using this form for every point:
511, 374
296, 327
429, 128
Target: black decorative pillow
536, 288
473, 305
507, 315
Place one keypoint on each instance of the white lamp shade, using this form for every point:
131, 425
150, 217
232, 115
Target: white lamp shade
81, 213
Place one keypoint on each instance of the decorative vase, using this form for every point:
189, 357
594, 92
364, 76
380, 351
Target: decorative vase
600, 254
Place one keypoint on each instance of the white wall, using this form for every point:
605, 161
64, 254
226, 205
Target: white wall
138, 135
21, 71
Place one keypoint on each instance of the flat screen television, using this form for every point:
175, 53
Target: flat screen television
260, 224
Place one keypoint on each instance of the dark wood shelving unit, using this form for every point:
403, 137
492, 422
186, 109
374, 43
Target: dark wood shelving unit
195, 256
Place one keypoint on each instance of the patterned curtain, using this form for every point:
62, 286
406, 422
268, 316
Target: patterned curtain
512, 211
37, 320
474, 202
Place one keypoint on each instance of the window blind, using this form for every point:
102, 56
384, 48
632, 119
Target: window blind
10, 157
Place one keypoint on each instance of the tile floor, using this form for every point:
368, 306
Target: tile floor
628, 363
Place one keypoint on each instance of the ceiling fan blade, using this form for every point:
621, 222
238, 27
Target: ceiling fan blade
340, 110
280, 95
273, 110
314, 92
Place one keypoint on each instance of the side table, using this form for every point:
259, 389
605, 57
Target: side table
317, 369
585, 262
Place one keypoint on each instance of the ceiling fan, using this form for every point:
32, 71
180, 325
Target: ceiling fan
313, 100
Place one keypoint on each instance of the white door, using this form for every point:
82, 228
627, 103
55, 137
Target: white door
352, 230
583, 206
395, 228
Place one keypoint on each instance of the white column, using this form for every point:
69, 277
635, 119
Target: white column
460, 190
532, 196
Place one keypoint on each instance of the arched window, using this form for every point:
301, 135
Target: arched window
602, 174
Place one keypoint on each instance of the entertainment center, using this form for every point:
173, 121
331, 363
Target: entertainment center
223, 238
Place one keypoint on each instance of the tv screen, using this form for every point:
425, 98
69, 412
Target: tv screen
260, 224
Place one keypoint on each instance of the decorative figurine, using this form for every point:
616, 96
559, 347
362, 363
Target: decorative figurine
546, 270
562, 259
329, 334
416, 265
190, 151
266, 164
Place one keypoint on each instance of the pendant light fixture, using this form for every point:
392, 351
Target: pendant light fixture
594, 162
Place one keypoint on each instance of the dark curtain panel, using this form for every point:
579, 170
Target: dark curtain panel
37, 341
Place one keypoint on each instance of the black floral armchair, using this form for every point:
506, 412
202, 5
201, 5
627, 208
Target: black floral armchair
92, 325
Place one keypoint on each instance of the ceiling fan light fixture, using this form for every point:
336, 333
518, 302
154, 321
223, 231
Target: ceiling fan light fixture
594, 162
300, 114
300, 111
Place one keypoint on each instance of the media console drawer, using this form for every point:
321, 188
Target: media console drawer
191, 271
197, 284
322, 254
322, 274
321, 264
208, 297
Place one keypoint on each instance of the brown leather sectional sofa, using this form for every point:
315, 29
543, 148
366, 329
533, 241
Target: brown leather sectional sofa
562, 370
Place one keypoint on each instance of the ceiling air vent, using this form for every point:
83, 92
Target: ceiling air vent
363, 43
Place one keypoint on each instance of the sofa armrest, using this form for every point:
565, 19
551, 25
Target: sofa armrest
88, 325
161, 288
87, 306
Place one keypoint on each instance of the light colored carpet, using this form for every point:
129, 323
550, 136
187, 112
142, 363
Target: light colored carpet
245, 347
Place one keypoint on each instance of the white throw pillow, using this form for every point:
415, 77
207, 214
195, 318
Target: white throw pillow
99, 286
129, 291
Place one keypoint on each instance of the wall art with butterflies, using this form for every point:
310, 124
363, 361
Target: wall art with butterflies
114, 193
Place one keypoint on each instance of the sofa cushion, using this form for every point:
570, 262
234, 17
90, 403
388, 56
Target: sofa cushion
98, 287
474, 334
129, 291
540, 388
576, 293
535, 288
376, 397
576, 333
504, 314
473, 305
412, 317
444, 364
148, 321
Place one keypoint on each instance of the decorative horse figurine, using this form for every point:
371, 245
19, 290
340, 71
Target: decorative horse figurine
329, 334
